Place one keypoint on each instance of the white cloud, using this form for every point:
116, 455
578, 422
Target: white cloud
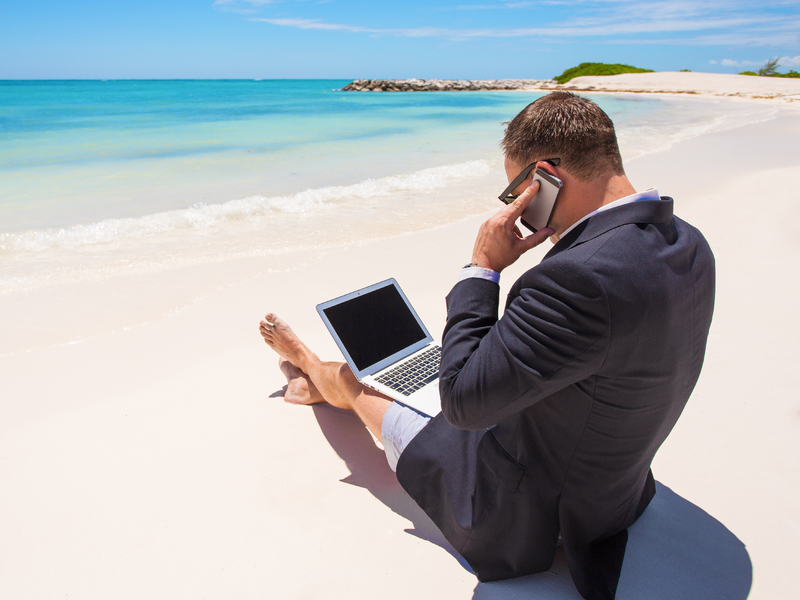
712, 62
727, 62
508, 5
733, 39
784, 61
315, 24
241, 6
577, 28
696, 22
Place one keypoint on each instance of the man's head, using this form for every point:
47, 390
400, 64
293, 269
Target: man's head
569, 127
576, 131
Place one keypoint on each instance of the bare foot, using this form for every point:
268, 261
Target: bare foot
299, 388
280, 337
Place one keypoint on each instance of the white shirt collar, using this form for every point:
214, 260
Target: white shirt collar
651, 194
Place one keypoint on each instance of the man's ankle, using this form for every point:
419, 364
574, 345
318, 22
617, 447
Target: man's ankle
307, 360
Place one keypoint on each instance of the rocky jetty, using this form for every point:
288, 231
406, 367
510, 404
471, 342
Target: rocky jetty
443, 85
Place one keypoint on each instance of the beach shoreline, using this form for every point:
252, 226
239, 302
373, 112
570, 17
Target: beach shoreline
148, 453
664, 83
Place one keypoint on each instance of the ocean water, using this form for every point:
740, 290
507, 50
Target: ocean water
103, 178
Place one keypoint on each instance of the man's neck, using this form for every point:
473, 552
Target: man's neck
618, 187
587, 196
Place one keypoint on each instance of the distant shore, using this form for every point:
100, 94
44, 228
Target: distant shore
441, 85
701, 84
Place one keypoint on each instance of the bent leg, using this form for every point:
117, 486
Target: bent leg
400, 425
299, 388
319, 381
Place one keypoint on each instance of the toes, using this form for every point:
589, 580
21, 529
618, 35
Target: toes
278, 322
266, 331
274, 324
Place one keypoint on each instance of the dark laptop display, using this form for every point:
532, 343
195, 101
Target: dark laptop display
375, 325
386, 344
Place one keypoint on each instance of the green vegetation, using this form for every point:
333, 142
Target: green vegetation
685, 71
770, 69
597, 69
793, 74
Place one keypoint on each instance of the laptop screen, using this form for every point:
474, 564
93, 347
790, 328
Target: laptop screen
374, 325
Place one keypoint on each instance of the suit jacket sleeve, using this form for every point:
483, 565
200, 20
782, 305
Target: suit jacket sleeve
554, 332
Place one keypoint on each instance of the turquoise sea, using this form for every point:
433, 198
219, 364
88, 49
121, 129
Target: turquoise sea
103, 177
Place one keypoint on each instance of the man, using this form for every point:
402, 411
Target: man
552, 414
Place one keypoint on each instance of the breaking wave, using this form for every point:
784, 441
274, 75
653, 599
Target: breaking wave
202, 216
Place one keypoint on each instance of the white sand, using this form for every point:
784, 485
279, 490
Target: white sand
786, 90
153, 461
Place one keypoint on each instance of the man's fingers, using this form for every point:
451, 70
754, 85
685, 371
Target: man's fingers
522, 201
537, 238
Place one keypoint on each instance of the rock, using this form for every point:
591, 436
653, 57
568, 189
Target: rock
445, 85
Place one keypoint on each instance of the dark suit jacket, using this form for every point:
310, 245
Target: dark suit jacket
552, 414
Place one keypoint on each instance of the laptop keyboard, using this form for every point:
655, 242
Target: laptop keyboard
411, 375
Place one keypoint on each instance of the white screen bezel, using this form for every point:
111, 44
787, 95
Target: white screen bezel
389, 360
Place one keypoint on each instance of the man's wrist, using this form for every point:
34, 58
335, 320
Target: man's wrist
472, 270
484, 263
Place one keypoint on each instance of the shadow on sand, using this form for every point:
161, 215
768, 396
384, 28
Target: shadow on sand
675, 550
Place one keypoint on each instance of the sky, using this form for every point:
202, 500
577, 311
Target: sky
350, 39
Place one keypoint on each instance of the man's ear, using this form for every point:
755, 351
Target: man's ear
546, 167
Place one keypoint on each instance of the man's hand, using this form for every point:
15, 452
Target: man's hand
499, 242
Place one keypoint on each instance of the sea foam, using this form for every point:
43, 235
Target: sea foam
201, 216
315, 220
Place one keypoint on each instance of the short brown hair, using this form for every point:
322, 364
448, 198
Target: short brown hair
566, 126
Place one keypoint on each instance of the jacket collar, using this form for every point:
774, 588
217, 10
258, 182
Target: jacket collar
643, 211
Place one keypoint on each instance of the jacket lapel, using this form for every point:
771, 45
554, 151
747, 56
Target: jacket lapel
643, 211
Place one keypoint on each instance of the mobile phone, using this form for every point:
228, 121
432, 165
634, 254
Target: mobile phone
537, 214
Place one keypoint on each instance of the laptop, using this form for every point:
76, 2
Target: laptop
386, 345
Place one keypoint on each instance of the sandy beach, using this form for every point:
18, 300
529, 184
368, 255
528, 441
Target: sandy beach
146, 454
745, 87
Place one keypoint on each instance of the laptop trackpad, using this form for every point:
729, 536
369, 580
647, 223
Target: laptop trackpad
426, 400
